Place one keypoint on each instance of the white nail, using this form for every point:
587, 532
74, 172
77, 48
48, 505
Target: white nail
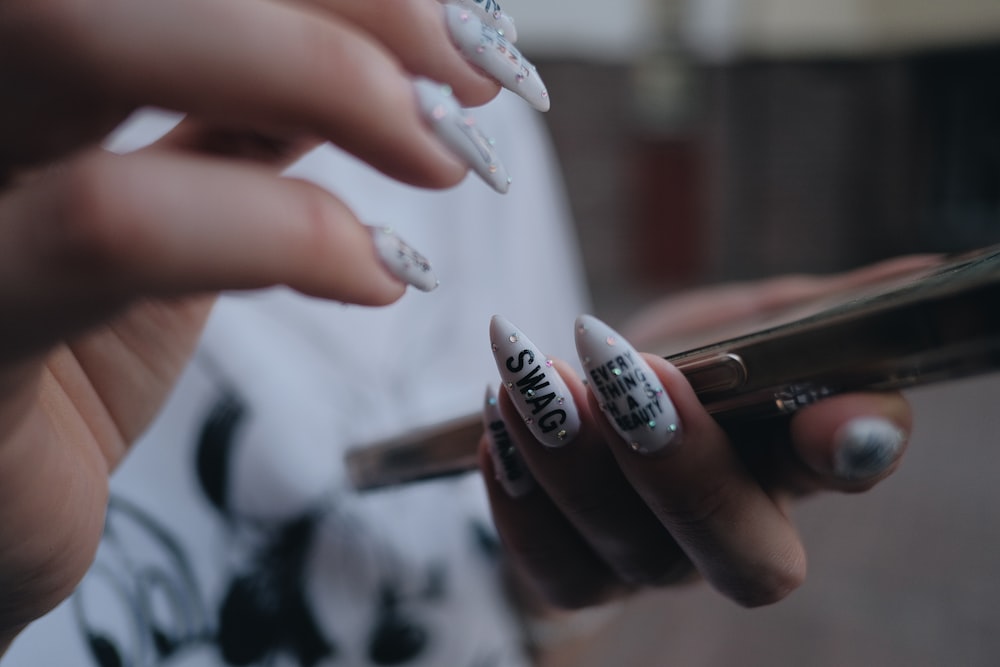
403, 261
459, 132
628, 391
490, 12
538, 391
511, 471
866, 447
486, 48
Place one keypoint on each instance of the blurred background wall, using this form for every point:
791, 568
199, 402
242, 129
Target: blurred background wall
709, 140
725, 139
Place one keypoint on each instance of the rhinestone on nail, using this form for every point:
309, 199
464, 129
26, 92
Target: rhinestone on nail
512, 338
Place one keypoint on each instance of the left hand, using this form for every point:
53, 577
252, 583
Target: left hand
594, 519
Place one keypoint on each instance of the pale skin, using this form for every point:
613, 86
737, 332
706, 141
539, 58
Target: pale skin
109, 264
604, 521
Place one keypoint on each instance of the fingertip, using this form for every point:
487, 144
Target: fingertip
785, 573
855, 440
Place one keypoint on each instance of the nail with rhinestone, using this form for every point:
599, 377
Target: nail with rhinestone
866, 447
628, 391
490, 12
460, 133
485, 47
403, 261
509, 466
536, 388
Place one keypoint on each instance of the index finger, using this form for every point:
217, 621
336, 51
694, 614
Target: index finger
249, 63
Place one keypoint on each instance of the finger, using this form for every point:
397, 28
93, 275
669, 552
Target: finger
108, 229
850, 442
416, 32
577, 472
254, 63
539, 541
429, 39
273, 149
713, 313
682, 464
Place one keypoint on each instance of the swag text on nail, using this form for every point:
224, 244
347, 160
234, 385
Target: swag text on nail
530, 385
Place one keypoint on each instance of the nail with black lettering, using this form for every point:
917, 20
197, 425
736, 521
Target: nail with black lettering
402, 260
491, 13
536, 388
866, 447
509, 467
628, 391
488, 49
459, 132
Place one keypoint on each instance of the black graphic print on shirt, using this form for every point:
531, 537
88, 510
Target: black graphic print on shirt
263, 614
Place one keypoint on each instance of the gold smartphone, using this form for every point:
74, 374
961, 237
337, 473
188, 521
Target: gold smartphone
936, 323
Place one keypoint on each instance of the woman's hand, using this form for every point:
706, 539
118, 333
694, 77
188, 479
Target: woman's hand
603, 488
109, 263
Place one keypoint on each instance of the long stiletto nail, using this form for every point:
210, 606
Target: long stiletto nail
491, 13
458, 130
402, 260
511, 471
629, 393
538, 391
489, 50
866, 447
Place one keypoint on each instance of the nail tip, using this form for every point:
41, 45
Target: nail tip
536, 388
631, 397
401, 260
866, 448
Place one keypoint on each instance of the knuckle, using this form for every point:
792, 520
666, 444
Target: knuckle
90, 210
318, 214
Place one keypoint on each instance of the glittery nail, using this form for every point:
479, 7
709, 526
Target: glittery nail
866, 447
403, 261
491, 13
489, 50
511, 471
538, 391
628, 391
460, 133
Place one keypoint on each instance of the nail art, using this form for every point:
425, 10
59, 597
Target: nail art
628, 391
490, 12
866, 447
511, 471
402, 260
489, 50
458, 131
538, 391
